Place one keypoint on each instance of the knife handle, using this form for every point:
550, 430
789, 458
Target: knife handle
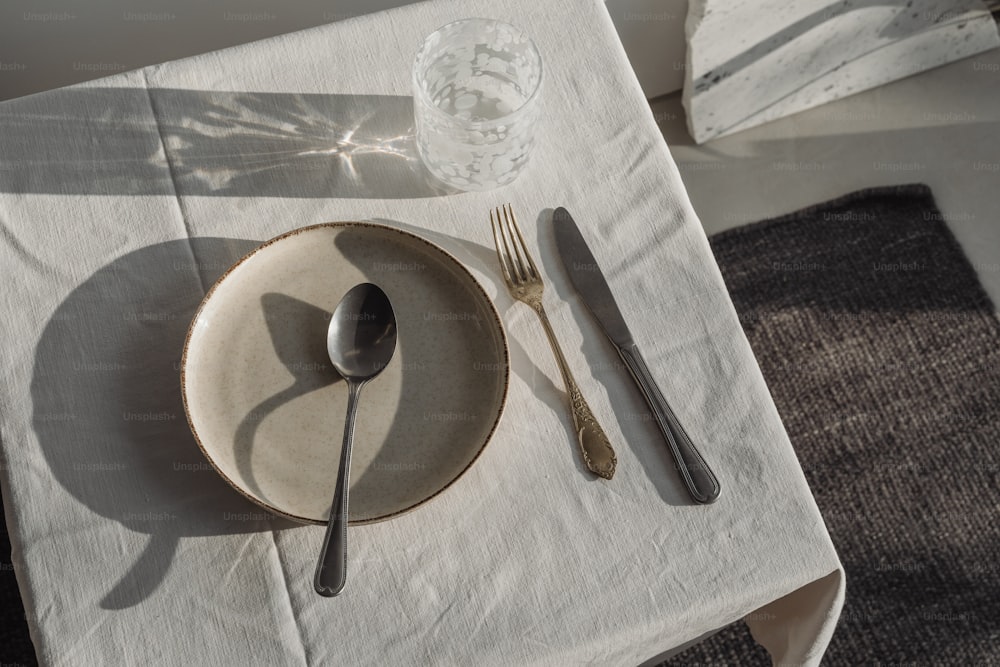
699, 479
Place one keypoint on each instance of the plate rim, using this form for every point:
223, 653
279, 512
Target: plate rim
344, 225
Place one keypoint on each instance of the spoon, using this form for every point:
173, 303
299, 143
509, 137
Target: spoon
360, 342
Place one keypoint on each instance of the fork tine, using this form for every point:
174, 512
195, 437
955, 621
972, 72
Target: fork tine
518, 272
527, 255
500, 255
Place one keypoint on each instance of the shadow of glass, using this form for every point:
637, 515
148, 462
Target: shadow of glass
631, 412
108, 413
166, 141
447, 371
484, 259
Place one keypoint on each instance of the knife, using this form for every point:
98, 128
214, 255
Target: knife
586, 276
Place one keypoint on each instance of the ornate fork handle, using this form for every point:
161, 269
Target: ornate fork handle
597, 452
524, 282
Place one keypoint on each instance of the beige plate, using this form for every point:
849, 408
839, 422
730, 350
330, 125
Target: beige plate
267, 407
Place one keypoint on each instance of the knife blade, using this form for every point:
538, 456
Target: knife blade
589, 282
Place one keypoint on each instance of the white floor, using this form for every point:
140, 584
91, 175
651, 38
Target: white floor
941, 127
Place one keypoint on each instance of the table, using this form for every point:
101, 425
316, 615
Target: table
123, 198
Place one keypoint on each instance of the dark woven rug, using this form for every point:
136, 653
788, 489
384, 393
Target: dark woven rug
883, 356
882, 353
15, 644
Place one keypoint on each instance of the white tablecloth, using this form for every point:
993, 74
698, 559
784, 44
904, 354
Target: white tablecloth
121, 199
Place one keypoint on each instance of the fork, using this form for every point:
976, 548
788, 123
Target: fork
524, 283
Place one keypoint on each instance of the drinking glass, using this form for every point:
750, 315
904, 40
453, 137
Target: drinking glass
476, 86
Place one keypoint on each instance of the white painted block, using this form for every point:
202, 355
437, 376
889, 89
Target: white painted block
753, 62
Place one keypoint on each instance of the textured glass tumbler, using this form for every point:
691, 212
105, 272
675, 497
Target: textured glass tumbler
476, 85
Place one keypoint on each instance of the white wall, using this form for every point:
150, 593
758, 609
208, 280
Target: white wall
49, 44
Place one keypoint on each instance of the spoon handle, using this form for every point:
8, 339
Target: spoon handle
331, 570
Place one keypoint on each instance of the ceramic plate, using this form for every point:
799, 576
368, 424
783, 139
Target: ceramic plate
267, 407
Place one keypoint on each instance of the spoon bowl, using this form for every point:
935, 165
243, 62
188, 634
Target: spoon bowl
360, 341
362, 334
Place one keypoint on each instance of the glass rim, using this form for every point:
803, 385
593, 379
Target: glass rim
427, 102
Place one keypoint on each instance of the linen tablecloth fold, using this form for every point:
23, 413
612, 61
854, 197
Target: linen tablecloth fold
122, 199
